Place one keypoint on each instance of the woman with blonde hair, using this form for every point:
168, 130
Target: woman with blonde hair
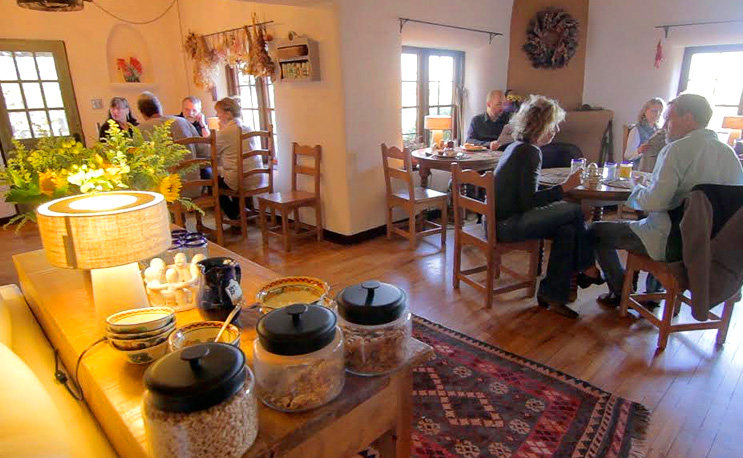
524, 212
648, 126
231, 124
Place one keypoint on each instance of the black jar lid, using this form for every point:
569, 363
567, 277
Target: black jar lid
196, 377
297, 329
371, 303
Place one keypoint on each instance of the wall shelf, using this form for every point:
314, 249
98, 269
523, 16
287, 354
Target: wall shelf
134, 86
298, 60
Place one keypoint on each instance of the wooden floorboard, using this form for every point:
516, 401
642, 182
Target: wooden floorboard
696, 392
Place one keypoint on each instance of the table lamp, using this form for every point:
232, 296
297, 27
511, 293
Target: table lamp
212, 123
437, 124
735, 123
106, 234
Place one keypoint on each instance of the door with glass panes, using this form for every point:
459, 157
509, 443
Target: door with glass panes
36, 94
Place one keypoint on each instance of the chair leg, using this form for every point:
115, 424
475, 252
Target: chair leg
411, 229
218, 225
318, 220
262, 218
727, 313
627, 286
389, 222
490, 280
533, 267
285, 230
444, 221
243, 219
297, 223
665, 324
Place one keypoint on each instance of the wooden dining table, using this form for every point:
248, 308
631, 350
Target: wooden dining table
478, 160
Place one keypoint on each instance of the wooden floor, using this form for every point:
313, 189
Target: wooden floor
696, 392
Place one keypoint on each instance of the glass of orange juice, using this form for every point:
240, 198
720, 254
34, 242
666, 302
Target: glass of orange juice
625, 170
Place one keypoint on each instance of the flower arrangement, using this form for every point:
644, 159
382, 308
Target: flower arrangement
61, 166
131, 70
513, 102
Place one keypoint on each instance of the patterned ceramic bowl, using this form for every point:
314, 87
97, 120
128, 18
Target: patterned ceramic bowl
167, 328
146, 355
141, 343
139, 320
202, 332
293, 290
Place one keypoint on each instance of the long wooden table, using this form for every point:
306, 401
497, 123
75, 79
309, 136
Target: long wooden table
369, 409
481, 160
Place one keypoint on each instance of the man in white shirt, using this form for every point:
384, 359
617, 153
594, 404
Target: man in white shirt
694, 156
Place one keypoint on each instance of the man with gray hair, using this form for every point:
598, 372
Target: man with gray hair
152, 111
191, 111
486, 128
694, 156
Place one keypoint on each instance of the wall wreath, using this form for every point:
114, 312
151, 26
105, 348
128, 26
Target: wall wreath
551, 38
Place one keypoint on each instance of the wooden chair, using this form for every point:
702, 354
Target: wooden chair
203, 191
290, 202
489, 245
622, 209
674, 297
413, 199
266, 152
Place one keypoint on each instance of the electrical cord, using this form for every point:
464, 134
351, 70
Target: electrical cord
72, 385
135, 22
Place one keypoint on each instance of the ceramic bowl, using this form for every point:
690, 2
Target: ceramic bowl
141, 344
293, 290
168, 328
139, 320
146, 355
202, 332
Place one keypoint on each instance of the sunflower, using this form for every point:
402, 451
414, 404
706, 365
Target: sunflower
170, 187
48, 182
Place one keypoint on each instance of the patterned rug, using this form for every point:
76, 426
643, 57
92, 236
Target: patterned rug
475, 400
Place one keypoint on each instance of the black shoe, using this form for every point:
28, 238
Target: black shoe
609, 300
650, 304
557, 307
586, 281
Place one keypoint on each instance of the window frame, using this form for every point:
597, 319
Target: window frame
264, 107
689, 53
423, 86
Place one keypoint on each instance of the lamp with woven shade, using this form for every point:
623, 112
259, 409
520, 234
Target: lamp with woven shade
437, 124
735, 123
106, 234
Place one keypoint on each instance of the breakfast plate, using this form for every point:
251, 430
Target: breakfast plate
474, 148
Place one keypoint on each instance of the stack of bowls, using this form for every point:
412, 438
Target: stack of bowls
141, 334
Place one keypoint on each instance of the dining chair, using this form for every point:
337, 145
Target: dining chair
412, 199
265, 172
672, 299
290, 202
202, 191
487, 242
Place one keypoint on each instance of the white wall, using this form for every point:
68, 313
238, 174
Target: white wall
86, 35
370, 50
620, 75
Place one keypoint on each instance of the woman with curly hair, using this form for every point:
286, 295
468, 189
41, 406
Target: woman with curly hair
524, 212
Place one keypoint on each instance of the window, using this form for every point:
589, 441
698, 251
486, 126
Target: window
37, 98
715, 72
430, 78
256, 99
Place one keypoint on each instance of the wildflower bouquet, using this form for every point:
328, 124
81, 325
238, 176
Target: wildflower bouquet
60, 166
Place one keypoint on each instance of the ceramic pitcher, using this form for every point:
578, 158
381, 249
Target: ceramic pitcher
220, 288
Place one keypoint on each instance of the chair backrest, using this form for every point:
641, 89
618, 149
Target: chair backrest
461, 202
314, 152
266, 154
625, 135
192, 183
404, 174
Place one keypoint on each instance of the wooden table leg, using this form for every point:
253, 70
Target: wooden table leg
424, 172
398, 442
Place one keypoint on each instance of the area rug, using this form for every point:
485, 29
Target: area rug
475, 400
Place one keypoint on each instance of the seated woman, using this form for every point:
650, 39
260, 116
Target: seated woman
118, 111
523, 212
647, 127
231, 124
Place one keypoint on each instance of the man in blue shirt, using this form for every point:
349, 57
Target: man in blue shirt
694, 156
485, 128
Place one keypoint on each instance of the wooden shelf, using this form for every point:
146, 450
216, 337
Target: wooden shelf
301, 61
134, 86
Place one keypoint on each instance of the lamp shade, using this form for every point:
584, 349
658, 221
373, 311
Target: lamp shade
94, 231
437, 122
212, 123
732, 122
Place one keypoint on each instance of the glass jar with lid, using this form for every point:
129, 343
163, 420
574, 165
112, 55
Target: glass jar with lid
376, 325
200, 402
298, 358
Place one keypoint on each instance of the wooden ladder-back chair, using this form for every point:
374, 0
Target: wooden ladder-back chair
266, 152
492, 249
413, 199
203, 191
672, 298
290, 202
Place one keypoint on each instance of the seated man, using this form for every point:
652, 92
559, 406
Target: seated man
191, 110
694, 156
152, 112
485, 128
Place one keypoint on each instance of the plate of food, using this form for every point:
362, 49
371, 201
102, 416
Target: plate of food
472, 147
447, 155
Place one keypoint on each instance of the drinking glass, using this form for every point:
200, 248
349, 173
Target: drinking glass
610, 170
577, 164
625, 170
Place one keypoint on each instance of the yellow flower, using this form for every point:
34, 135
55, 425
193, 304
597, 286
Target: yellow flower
47, 182
170, 187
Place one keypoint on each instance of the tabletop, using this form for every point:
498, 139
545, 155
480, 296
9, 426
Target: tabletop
113, 388
477, 160
617, 190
